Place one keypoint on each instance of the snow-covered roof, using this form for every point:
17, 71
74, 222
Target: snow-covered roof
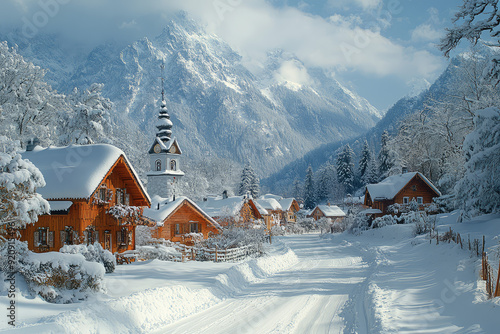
370, 211
166, 209
269, 204
391, 186
165, 146
261, 209
230, 206
331, 210
60, 205
268, 196
286, 203
75, 171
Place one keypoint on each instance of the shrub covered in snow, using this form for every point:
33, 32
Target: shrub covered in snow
158, 251
232, 237
56, 277
356, 223
93, 253
384, 221
143, 235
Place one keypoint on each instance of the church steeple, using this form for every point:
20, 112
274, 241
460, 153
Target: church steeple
163, 124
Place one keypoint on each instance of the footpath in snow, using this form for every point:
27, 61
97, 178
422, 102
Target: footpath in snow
382, 281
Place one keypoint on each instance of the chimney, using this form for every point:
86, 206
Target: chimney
32, 143
224, 194
405, 170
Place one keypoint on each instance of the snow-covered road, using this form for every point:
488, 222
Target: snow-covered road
322, 293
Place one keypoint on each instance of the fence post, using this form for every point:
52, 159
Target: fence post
215, 253
497, 289
437, 238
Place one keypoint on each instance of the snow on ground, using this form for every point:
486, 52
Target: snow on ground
382, 281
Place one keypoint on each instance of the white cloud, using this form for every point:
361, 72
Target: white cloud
365, 4
293, 71
425, 33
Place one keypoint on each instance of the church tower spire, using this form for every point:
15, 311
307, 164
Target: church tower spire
164, 155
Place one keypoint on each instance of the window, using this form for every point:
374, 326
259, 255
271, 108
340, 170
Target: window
420, 200
414, 187
177, 229
68, 236
102, 194
406, 200
173, 165
158, 165
120, 196
194, 228
127, 199
41, 237
122, 237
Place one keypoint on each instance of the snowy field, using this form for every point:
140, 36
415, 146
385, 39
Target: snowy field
383, 281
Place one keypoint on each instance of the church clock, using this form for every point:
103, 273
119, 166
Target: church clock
157, 148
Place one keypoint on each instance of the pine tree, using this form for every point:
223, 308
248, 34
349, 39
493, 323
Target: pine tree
345, 168
371, 172
387, 158
297, 190
309, 190
249, 182
325, 180
364, 160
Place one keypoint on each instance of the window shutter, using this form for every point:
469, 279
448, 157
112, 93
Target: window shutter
51, 238
130, 236
118, 237
85, 237
76, 239
37, 238
62, 236
96, 233
127, 199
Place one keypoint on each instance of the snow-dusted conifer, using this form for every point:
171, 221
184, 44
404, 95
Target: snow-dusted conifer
479, 190
19, 178
387, 158
249, 182
371, 172
326, 182
309, 190
364, 160
345, 168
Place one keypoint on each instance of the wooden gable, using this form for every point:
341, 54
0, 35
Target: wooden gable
416, 187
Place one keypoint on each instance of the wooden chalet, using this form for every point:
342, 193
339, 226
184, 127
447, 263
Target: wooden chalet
180, 220
235, 210
290, 207
273, 212
94, 195
401, 189
327, 211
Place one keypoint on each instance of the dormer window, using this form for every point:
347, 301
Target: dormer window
173, 165
158, 165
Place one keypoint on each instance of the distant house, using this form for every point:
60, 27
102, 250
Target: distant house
94, 194
401, 189
273, 209
178, 220
234, 210
327, 211
290, 207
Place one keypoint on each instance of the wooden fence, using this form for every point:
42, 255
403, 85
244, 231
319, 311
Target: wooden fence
195, 253
487, 272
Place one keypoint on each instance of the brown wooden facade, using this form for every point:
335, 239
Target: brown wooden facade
416, 189
87, 221
185, 219
290, 214
247, 215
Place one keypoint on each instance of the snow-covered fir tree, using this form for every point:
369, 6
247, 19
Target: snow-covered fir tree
298, 190
364, 160
20, 204
309, 190
371, 172
249, 182
345, 168
388, 163
326, 182
479, 190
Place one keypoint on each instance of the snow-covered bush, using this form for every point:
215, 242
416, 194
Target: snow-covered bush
384, 221
308, 224
56, 277
233, 237
158, 251
93, 253
19, 178
143, 235
356, 223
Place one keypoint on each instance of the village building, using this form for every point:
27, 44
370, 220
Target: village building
180, 221
94, 195
273, 209
332, 212
399, 189
176, 218
234, 210
290, 207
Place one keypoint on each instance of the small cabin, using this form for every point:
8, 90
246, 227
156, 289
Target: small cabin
327, 211
290, 207
180, 220
272, 210
400, 189
94, 195
234, 210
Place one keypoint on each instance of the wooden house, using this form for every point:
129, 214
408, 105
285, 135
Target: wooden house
290, 207
327, 211
94, 194
235, 210
400, 189
180, 220
273, 210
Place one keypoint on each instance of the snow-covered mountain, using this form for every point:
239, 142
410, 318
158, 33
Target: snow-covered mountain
218, 106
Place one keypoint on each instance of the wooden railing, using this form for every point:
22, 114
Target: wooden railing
194, 253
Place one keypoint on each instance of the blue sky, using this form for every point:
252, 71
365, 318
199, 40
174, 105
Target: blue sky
382, 49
